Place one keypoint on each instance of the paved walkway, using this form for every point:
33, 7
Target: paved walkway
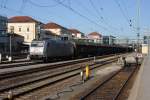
141, 88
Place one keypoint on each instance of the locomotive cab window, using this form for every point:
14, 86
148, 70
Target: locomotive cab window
64, 38
37, 44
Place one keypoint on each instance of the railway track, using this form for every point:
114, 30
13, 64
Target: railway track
35, 83
113, 86
14, 72
18, 64
25, 62
14, 61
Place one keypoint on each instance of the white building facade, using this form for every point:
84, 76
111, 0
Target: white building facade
24, 26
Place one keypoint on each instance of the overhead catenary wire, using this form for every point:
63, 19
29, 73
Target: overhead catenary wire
99, 14
81, 15
107, 18
22, 13
125, 8
90, 13
3, 3
47, 6
85, 8
123, 13
93, 15
39, 5
23, 5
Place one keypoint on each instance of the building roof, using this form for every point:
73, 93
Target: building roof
20, 19
50, 33
95, 34
74, 31
52, 25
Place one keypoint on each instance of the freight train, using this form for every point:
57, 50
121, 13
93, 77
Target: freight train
48, 49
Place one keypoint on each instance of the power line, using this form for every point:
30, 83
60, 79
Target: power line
95, 9
3, 3
85, 17
101, 8
99, 14
17, 11
60, 17
23, 5
123, 13
84, 7
125, 8
38, 5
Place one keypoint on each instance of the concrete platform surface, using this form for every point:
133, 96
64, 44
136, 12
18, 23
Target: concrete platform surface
141, 87
97, 77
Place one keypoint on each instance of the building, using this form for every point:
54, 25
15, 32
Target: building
57, 29
16, 43
3, 24
25, 26
97, 37
48, 34
146, 39
76, 33
109, 40
123, 41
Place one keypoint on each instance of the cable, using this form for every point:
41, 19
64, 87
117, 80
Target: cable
23, 5
17, 11
85, 17
65, 91
38, 5
3, 3
69, 3
79, 3
101, 8
85, 8
122, 11
98, 13
95, 9
125, 8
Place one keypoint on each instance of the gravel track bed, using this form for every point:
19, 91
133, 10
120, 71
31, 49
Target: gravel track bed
11, 82
21, 79
110, 89
54, 91
44, 82
18, 64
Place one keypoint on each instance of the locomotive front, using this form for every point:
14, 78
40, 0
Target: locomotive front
37, 49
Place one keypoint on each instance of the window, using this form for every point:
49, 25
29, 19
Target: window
19, 29
28, 29
12, 29
38, 44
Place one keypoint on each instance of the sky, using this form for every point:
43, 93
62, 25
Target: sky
108, 17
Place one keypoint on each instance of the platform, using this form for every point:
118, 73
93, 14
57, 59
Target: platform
141, 87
